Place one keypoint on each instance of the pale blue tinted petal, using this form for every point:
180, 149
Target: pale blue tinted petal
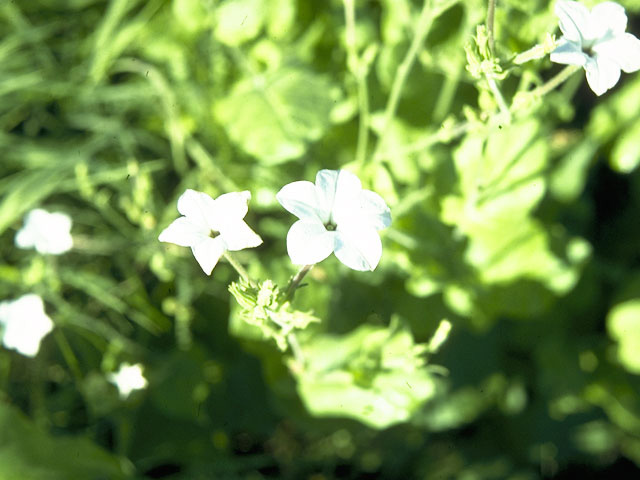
374, 210
184, 232
228, 208
300, 199
309, 242
574, 20
207, 252
358, 247
196, 206
326, 186
608, 17
602, 74
569, 53
623, 49
346, 202
237, 236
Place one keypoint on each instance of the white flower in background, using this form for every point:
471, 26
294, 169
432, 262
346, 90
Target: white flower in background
210, 227
336, 215
46, 232
24, 324
597, 42
128, 378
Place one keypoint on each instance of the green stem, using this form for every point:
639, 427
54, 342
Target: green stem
295, 282
239, 268
497, 94
491, 12
422, 29
355, 66
554, 82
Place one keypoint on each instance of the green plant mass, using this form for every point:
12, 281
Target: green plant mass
319, 240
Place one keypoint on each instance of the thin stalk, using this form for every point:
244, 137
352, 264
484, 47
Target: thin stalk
295, 282
554, 82
497, 94
422, 29
491, 13
355, 66
239, 268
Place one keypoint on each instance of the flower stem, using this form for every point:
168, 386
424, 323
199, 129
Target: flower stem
422, 29
491, 12
355, 66
295, 282
239, 268
497, 94
554, 82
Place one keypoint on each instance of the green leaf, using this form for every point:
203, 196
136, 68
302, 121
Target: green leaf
273, 117
623, 325
501, 181
374, 375
28, 453
238, 21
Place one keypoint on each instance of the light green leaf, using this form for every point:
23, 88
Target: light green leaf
273, 117
238, 21
374, 375
28, 453
501, 181
623, 325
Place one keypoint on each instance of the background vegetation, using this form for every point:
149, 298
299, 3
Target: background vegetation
519, 228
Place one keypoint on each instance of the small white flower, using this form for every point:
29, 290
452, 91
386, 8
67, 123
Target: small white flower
210, 227
128, 378
336, 215
46, 232
24, 324
597, 42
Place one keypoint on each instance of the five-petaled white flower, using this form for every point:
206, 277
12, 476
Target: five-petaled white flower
210, 227
128, 378
46, 232
335, 215
597, 42
24, 324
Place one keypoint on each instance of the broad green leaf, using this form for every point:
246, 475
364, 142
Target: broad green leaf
273, 117
238, 21
623, 325
625, 156
29, 453
374, 375
501, 181
569, 178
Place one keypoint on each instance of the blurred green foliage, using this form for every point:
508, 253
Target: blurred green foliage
521, 228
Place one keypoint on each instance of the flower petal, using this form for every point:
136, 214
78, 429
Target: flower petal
574, 20
198, 207
309, 242
184, 232
623, 49
569, 53
374, 210
358, 248
301, 199
347, 195
208, 252
26, 324
326, 186
608, 17
238, 236
229, 207
602, 74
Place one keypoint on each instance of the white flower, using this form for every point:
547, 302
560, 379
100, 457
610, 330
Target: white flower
46, 232
597, 42
24, 324
210, 227
336, 215
128, 378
